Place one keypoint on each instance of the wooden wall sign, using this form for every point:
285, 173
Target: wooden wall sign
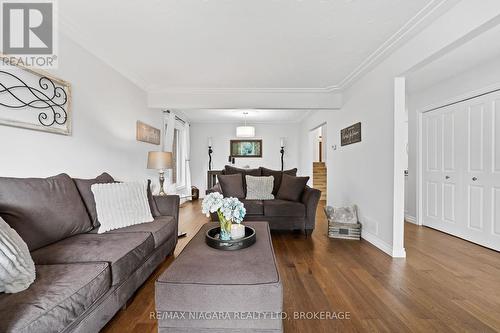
147, 133
351, 134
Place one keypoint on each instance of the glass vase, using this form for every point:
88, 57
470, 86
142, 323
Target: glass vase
225, 227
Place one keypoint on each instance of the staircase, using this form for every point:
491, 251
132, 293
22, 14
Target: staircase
319, 178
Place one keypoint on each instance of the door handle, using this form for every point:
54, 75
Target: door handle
447, 177
474, 179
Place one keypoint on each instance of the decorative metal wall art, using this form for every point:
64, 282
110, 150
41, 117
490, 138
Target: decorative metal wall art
34, 99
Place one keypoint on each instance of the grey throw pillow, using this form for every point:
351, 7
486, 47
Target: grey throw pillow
230, 170
259, 188
232, 185
152, 203
292, 187
278, 174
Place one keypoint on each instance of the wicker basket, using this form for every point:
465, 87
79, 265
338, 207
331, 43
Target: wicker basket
343, 230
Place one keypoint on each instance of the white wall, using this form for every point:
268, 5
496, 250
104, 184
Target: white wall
465, 82
363, 173
222, 133
105, 108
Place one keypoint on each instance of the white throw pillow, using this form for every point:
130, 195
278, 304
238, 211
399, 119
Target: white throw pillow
17, 270
259, 188
120, 205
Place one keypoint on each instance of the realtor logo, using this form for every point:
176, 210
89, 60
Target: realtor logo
28, 29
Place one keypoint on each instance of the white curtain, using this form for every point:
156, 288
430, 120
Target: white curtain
188, 158
169, 132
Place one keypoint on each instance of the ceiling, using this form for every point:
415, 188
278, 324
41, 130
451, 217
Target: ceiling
238, 116
238, 44
478, 51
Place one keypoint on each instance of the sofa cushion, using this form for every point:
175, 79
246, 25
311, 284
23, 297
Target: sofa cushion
125, 252
231, 185
230, 170
83, 186
60, 294
291, 187
253, 207
284, 208
162, 229
277, 174
43, 210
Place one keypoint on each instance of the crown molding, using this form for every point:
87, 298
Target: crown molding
242, 90
412, 26
83, 39
404, 34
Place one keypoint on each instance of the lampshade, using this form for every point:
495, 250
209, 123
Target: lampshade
159, 160
245, 131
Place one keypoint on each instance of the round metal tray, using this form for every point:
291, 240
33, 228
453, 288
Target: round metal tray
212, 240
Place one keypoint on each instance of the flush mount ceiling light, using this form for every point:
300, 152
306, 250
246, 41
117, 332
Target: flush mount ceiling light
245, 131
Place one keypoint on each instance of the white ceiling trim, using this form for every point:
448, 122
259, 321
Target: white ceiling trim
398, 38
242, 90
82, 38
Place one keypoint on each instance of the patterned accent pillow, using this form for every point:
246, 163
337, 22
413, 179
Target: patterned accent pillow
17, 270
259, 188
120, 205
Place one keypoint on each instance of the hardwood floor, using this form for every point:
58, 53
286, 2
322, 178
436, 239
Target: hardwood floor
445, 284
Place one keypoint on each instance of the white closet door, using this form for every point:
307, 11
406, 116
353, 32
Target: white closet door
441, 176
461, 170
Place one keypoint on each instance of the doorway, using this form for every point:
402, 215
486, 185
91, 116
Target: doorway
319, 161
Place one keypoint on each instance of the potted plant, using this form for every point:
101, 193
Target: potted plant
229, 210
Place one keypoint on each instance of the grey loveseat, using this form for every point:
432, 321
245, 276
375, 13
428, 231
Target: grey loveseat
82, 278
281, 214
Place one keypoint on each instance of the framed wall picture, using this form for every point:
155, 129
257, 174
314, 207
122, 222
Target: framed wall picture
246, 148
147, 133
350, 135
34, 99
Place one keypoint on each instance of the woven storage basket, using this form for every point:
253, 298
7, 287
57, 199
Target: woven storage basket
343, 230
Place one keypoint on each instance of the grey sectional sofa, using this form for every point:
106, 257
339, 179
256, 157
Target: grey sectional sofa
281, 214
83, 278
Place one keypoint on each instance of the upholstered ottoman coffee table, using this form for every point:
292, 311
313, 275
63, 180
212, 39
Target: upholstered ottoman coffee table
209, 290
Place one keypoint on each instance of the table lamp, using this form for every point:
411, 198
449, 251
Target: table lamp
161, 161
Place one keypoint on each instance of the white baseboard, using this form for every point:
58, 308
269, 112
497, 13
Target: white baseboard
411, 219
383, 246
369, 237
399, 253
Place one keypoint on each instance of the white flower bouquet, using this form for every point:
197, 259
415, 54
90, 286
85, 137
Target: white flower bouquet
229, 210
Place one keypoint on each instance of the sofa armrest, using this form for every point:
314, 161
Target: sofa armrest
168, 205
310, 198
